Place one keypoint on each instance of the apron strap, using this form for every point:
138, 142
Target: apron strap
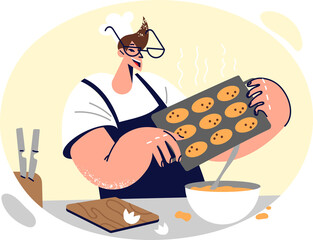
105, 99
152, 92
108, 103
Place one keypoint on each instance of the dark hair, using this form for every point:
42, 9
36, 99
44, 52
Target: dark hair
140, 38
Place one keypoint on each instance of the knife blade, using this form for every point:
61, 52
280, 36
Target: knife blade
34, 150
21, 149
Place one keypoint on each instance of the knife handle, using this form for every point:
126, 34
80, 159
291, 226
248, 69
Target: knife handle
21, 149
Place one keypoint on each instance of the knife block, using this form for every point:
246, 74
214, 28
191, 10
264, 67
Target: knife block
33, 188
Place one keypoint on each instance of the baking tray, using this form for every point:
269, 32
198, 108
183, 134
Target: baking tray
219, 106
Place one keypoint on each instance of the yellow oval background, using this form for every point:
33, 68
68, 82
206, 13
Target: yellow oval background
204, 46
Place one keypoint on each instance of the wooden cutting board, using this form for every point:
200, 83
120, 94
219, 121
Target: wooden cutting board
108, 213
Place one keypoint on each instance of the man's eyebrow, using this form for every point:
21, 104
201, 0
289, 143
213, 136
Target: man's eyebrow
131, 44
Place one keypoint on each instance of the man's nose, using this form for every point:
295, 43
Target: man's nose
140, 55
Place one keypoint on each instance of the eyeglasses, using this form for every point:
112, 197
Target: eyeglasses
134, 51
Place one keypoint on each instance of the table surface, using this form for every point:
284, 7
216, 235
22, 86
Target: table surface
165, 208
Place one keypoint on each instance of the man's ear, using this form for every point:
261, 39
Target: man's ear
121, 52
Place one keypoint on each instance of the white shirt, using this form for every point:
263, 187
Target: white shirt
86, 110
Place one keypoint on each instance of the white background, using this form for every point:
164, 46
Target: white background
23, 22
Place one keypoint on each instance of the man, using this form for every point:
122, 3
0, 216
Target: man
109, 134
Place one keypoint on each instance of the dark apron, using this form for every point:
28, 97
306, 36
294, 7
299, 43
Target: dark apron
156, 182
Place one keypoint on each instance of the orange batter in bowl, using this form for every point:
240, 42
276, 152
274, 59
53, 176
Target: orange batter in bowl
220, 189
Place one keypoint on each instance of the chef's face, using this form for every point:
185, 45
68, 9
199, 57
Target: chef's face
133, 57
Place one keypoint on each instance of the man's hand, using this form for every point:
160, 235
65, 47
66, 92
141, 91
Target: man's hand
267, 96
147, 142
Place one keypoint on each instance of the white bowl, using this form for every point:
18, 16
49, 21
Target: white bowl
222, 207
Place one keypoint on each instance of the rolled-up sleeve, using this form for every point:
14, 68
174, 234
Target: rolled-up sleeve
84, 111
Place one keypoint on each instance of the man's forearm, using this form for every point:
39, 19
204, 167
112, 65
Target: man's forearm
107, 164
